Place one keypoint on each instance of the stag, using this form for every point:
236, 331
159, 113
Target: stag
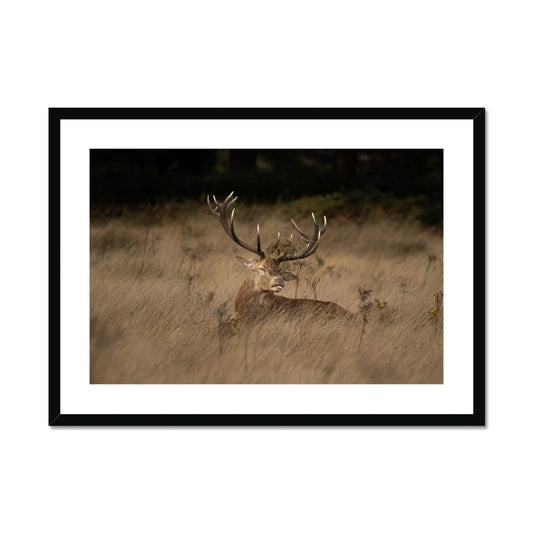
257, 298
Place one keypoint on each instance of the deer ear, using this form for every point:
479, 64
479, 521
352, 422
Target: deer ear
248, 263
287, 276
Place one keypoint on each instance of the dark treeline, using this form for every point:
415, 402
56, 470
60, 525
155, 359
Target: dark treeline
400, 180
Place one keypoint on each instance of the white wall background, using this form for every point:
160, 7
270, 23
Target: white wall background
280, 53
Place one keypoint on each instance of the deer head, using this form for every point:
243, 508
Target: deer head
266, 274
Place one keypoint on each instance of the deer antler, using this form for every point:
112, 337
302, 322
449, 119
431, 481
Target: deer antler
312, 242
220, 212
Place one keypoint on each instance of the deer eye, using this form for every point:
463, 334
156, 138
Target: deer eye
263, 269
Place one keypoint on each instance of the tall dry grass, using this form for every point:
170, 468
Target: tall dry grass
159, 293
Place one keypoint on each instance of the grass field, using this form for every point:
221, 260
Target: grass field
160, 291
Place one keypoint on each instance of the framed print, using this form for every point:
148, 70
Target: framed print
254, 267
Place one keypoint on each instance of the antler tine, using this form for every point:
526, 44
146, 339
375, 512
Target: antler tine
311, 242
213, 210
306, 237
220, 211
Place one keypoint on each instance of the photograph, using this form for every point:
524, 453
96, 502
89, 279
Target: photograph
266, 266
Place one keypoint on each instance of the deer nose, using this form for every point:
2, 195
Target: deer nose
277, 283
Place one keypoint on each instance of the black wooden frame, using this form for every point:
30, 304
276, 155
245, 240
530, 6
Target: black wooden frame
56, 418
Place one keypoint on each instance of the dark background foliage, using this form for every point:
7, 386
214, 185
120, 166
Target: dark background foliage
407, 183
